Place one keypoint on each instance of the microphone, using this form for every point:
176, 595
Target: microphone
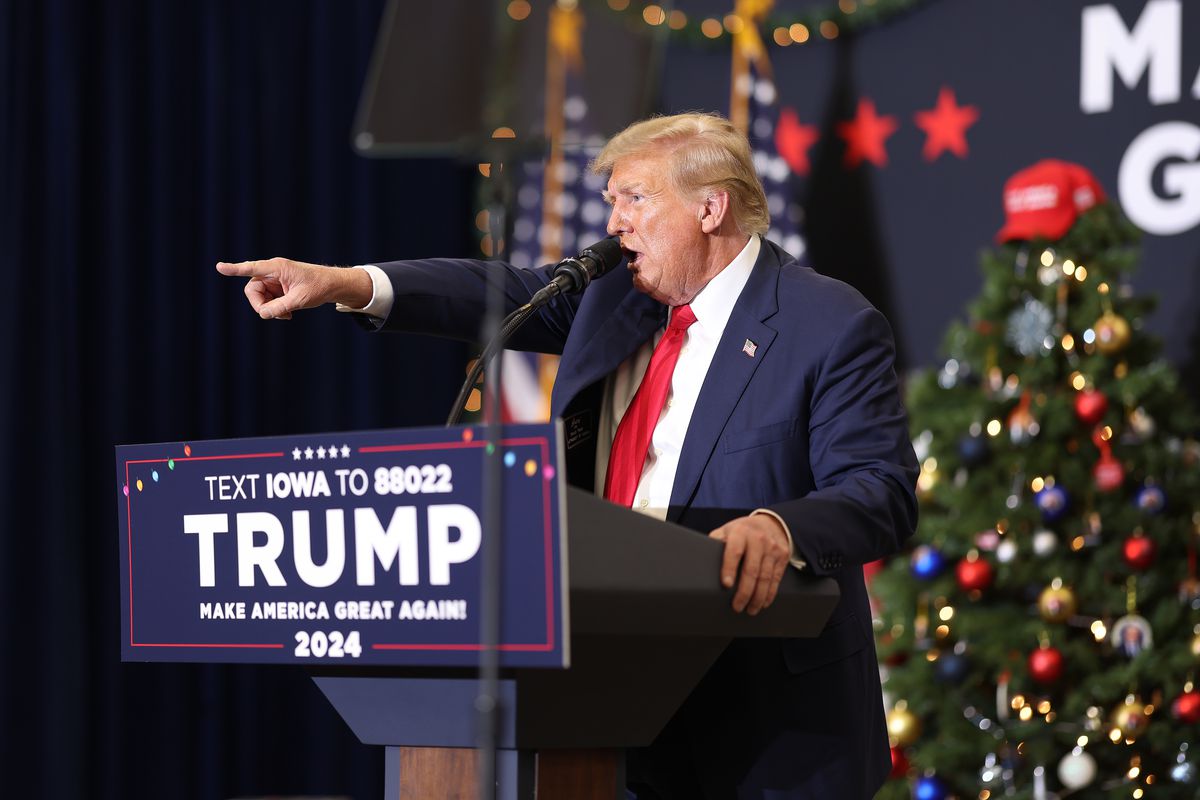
574, 274
570, 275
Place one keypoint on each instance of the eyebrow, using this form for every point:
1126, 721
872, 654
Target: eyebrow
628, 188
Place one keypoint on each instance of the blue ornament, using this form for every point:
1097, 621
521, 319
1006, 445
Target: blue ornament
927, 562
951, 668
1052, 502
929, 787
973, 450
1150, 499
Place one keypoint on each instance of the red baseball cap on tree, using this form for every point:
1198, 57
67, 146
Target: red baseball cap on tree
1043, 201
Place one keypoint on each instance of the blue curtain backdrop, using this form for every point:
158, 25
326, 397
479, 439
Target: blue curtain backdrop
140, 143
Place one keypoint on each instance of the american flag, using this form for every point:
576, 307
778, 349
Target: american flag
559, 212
787, 216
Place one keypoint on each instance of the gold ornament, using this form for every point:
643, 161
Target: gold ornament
1130, 718
904, 727
1112, 333
1057, 602
1196, 646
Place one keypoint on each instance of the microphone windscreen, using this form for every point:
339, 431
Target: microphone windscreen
606, 253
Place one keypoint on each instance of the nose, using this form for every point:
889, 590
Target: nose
617, 222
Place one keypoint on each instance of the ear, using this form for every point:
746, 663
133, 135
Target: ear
714, 212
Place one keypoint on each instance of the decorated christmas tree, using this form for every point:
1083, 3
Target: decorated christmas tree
1041, 636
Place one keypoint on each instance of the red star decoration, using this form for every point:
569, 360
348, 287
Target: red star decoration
792, 140
946, 125
865, 135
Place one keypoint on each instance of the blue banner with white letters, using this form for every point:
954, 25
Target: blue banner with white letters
341, 548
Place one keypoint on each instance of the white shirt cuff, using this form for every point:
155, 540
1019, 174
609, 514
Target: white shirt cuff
793, 558
382, 296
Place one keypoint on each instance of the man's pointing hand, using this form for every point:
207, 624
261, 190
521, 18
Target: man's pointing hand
279, 286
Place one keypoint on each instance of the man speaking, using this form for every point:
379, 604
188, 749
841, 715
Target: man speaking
718, 384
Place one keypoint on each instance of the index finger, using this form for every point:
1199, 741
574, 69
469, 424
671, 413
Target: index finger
247, 269
734, 548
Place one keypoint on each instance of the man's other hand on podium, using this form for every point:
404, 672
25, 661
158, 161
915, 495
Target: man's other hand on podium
279, 286
762, 548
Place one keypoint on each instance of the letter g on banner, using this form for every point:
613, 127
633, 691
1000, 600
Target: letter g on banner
1179, 209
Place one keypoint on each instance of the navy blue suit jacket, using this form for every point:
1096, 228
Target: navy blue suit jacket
810, 426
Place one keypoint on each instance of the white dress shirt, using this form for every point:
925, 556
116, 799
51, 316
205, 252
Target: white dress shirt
712, 307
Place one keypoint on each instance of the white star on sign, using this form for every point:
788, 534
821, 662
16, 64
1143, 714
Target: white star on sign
296, 454
333, 451
308, 452
320, 452
345, 451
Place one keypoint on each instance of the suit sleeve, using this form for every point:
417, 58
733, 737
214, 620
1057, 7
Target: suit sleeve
448, 297
864, 470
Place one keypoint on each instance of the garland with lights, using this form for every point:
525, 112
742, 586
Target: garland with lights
783, 30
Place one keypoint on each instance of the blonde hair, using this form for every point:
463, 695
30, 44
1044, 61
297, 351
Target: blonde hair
708, 153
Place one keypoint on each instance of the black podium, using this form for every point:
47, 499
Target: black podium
647, 619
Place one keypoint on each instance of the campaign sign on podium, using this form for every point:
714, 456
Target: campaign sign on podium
341, 548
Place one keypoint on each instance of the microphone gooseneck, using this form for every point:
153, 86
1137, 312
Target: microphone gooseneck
571, 275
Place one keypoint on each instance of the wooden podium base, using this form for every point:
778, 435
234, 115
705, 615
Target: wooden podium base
451, 773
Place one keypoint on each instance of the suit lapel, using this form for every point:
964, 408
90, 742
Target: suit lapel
621, 331
728, 375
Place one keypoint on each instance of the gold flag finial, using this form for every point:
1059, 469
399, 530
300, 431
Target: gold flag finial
748, 48
566, 34
746, 36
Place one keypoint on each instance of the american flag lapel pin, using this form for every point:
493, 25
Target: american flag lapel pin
749, 348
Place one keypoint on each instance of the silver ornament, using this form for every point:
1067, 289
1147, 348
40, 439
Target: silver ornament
1141, 423
948, 377
1029, 328
1048, 276
1184, 772
990, 774
921, 445
1006, 551
1077, 769
1044, 542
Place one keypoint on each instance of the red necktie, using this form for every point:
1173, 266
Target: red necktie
632, 442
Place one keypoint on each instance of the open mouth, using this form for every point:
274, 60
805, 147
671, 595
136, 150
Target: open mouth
631, 257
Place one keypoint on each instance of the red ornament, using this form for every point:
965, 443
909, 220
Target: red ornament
1186, 708
1138, 552
1090, 406
871, 568
1108, 473
974, 574
1046, 664
899, 763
